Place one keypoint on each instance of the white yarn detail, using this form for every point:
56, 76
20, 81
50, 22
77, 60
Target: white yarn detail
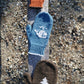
35, 54
41, 33
44, 81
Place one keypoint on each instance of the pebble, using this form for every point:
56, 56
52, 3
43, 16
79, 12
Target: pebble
11, 66
20, 37
26, 41
23, 53
82, 81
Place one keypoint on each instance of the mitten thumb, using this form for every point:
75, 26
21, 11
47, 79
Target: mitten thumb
28, 30
27, 78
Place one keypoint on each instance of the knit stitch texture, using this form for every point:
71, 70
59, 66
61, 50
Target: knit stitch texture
39, 33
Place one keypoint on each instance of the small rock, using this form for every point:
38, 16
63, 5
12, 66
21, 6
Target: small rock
82, 81
27, 41
20, 37
11, 66
23, 53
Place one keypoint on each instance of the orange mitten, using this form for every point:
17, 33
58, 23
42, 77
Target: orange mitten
36, 3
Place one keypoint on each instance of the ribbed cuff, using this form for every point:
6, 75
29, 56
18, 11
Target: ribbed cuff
36, 50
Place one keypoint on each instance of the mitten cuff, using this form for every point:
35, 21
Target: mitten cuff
36, 50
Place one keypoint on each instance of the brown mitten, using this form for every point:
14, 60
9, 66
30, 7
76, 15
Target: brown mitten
27, 78
45, 73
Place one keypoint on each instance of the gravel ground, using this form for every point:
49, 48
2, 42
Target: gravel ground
66, 42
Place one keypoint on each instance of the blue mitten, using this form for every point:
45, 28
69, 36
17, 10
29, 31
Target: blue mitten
39, 34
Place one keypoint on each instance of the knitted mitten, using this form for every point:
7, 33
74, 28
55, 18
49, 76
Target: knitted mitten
45, 73
39, 34
32, 62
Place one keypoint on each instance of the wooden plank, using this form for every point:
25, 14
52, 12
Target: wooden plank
33, 60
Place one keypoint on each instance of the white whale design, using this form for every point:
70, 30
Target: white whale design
41, 33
